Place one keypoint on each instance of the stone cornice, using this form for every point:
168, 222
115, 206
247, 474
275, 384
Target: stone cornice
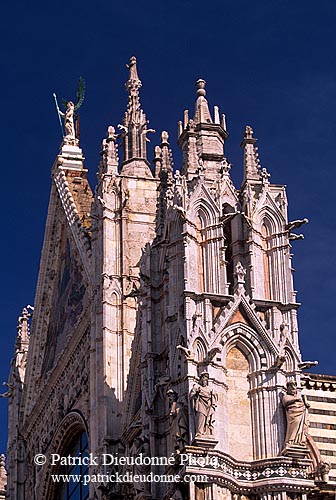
277, 474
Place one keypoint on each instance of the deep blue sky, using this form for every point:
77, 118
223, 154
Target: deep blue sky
270, 64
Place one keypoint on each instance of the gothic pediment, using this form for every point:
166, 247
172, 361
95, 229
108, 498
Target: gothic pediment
61, 300
241, 311
68, 300
266, 202
201, 196
228, 192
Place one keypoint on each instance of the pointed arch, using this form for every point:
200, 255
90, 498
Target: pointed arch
251, 358
203, 201
199, 349
72, 428
265, 232
271, 227
289, 360
248, 342
209, 236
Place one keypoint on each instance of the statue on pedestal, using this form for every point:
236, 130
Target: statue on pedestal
71, 134
296, 407
68, 116
204, 401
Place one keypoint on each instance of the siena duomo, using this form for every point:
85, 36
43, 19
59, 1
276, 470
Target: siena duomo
165, 325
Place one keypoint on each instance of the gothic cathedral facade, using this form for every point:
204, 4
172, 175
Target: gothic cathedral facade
165, 325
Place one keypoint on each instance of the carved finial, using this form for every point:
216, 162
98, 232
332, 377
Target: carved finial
248, 134
202, 113
157, 151
23, 326
134, 83
200, 86
164, 137
109, 151
265, 176
167, 157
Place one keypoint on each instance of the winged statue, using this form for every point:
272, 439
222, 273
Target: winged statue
70, 113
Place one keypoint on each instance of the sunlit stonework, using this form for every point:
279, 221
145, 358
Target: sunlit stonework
165, 324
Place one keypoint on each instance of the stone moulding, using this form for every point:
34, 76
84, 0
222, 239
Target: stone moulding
279, 473
71, 424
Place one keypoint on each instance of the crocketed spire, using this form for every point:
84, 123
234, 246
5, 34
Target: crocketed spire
251, 158
134, 128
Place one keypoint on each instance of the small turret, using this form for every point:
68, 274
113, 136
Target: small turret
202, 138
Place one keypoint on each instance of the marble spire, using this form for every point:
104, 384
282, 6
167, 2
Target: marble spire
134, 128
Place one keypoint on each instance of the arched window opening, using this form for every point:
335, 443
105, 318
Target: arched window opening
265, 231
289, 362
75, 489
199, 350
201, 253
227, 229
238, 406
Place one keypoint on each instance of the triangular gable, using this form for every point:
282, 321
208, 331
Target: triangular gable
267, 202
240, 307
228, 193
202, 194
239, 317
61, 298
68, 301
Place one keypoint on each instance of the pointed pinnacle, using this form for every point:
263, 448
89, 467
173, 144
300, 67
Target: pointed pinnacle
134, 82
202, 113
133, 74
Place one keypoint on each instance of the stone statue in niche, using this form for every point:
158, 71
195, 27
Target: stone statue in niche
296, 407
204, 402
178, 420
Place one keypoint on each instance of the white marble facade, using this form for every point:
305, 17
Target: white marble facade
160, 275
